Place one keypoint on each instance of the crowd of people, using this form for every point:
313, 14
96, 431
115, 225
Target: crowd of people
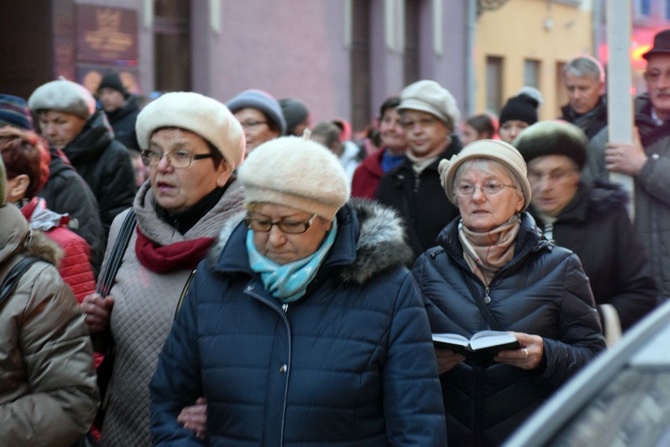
249, 277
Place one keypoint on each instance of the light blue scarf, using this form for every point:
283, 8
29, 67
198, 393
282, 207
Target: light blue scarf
288, 282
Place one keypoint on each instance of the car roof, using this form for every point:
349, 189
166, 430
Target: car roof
645, 347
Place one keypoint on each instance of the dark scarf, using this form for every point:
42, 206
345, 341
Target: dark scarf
179, 255
590, 122
650, 131
185, 220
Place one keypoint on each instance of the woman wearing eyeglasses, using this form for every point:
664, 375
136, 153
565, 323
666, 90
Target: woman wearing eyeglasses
591, 220
260, 115
191, 144
304, 328
492, 270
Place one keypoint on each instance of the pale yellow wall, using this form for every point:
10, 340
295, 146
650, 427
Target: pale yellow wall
517, 31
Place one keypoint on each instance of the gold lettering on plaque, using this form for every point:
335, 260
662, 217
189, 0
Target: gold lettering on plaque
107, 37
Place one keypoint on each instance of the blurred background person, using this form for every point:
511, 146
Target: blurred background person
192, 146
260, 115
328, 134
493, 270
584, 80
303, 328
590, 220
65, 191
478, 127
429, 114
518, 113
296, 115
48, 391
26, 159
120, 108
393, 144
69, 121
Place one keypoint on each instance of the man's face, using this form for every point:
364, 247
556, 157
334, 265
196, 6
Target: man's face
583, 91
111, 99
658, 84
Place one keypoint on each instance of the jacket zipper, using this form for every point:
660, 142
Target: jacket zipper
282, 312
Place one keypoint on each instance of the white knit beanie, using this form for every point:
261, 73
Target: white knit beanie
430, 97
199, 114
497, 150
62, 95
295, 172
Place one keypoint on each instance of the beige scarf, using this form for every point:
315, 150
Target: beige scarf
487, 252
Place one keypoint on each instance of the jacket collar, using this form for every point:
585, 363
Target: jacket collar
528, 240
370, 239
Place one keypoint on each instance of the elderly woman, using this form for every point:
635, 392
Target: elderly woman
192, 144
260, 115
590, 219
48, 394
304, 328
492, 270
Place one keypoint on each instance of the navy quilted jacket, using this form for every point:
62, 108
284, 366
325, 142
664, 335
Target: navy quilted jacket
351, 363
543, 291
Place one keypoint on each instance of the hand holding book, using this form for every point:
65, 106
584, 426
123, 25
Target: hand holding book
480, 348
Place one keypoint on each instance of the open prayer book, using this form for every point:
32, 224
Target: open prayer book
480, 348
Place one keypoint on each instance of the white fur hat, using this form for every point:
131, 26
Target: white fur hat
430, 97
63, 96
295, 172
199, 114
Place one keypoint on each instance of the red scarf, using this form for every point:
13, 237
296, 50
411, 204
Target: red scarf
180, 255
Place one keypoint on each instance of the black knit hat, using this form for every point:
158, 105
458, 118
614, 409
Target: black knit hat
294, 111
113, 81
519, 108
552, 137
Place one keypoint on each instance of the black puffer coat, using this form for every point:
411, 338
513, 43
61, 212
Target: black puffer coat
123, 121
420, 201
543, 291
105, 165
67, 193
595, 225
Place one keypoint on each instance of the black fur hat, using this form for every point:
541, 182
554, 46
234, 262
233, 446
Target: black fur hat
552, 137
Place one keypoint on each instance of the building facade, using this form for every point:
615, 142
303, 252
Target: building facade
341, 57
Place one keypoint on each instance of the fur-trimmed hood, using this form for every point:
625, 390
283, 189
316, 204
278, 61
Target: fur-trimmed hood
379, 235
16, 237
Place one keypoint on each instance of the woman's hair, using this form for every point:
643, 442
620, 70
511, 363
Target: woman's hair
25, 153
391, 103
487, 165
484, 125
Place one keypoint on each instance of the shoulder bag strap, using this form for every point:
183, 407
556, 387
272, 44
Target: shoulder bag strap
12, 279
184, 292
488, 316
116, 256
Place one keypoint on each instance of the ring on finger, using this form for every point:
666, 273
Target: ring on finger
525, 351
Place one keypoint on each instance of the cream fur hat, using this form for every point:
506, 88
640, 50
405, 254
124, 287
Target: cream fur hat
62, 95
430, 97
295, 172
200, 114
491, 149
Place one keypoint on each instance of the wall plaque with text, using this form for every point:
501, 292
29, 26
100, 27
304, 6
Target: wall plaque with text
106, 34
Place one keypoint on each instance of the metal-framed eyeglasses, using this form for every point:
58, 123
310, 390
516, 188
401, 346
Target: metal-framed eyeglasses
176, 159
286, 226
488, 188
